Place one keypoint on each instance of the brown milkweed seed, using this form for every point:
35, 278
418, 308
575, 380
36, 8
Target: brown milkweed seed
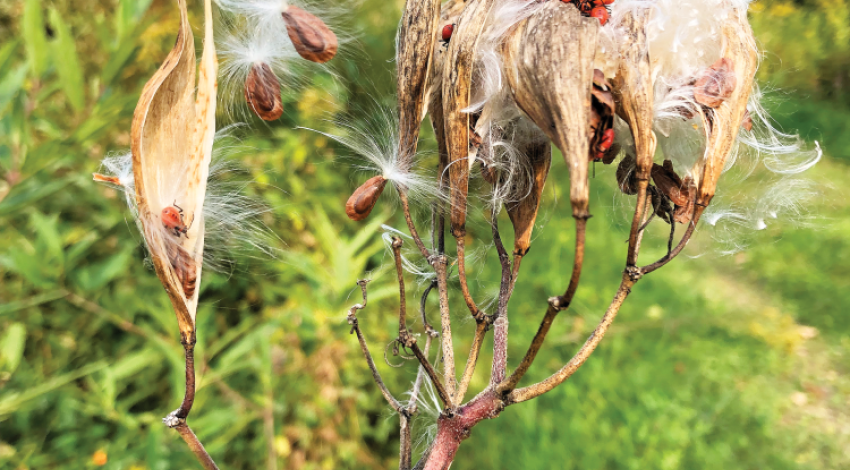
311, 37
626, 178
184, 268
716, 85
669, 183
360, 204
747, 123
262, 92
106, 179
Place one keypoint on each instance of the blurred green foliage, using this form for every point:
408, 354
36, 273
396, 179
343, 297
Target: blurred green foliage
733, 362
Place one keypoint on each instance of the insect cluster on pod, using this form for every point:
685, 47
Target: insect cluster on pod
593, 8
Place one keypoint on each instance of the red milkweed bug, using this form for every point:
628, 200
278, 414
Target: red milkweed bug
172, 220
594, 8
446, 34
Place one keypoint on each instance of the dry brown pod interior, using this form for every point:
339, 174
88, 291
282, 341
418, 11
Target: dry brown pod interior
312, 38
262, 92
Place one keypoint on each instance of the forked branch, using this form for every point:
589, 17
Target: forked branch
355, 328
404, 337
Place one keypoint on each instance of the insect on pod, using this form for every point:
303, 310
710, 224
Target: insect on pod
172, 220
593, 8
446, 34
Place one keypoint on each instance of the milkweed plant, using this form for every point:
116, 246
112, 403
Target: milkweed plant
663, 90
173, 175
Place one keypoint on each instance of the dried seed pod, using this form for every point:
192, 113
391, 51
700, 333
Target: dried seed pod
311, 37
262, 92
626, 177
361, 203
455, 88
670, 185
415, 48
553, 52
171, 140
716, 85
742, 55
634, 88
523, 213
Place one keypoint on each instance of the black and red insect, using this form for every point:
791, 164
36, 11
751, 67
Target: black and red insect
598, 9
172, 220
446, 34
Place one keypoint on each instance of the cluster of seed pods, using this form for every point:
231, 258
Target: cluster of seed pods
313, 41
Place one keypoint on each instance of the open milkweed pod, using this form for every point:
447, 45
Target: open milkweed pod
634, 89
549, 67
449, 14
456, 90
523, 213
723, 123
414, 60
172, 137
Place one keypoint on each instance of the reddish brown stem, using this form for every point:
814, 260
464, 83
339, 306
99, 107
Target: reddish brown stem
405, 205
195, 446
681, 246
556, 304
177, 418
464, 286
500, 331
453, 429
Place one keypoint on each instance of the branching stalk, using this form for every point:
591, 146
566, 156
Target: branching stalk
464, 286
556, 304
405, 205
355, 328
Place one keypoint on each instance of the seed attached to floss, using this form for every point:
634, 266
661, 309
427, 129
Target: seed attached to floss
716, 85
262, 92
747, 123
361, 203
106, 179
311, 37
626, 176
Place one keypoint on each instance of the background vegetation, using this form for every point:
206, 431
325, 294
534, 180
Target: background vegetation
734, 362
